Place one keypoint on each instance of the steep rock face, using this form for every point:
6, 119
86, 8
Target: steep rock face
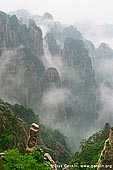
106, 157
91, 51
71, 32
45, 22
13, 132
61, 33
24, 80
52, 44
21, 51
21, 77
36, 41
74, 52
104, 52
21, 13
14, 34
80, 80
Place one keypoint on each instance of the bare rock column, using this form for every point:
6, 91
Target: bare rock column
32, 144
32, 139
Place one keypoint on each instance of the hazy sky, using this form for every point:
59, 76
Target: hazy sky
66, 11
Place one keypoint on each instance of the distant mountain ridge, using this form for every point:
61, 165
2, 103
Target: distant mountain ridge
95, 32
20, 13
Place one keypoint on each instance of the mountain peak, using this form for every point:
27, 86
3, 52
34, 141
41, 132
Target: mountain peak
47, 16
105, 48
20, 13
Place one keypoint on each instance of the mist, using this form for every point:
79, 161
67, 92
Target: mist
104, 70
104, 79
53, 115
96, 32
105, 91
55, 100
106, 98
6, 59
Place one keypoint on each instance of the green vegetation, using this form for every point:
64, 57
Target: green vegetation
13, 135
91, 149
1, 165
54, 143
14, 160
25, 113
14, 131
89, 154
32, 62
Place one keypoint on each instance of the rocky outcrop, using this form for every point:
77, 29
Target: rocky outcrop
51, 79
104, 52
106, 156
13, 34
21, 51
47, 16
91, 51
35, 39
32, 139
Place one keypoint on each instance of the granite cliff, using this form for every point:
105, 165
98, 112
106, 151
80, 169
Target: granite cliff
80, 80
52, 74
21, 48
